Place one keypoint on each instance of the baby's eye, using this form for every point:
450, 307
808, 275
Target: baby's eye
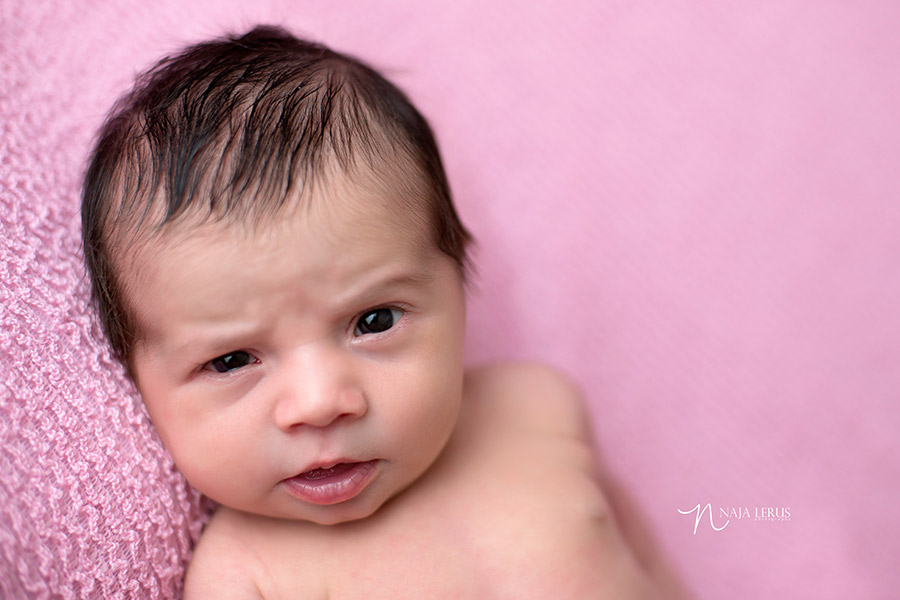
231, 361
378, 320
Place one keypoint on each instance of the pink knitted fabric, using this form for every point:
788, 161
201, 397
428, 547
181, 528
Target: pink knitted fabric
90, 504
691, 207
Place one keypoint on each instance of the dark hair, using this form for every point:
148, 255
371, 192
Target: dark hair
233, 128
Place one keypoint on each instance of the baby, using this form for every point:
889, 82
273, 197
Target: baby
277, 261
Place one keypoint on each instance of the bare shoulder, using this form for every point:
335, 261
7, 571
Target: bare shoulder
221, 566
538, 416
535, 395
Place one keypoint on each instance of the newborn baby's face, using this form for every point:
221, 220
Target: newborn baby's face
311, 369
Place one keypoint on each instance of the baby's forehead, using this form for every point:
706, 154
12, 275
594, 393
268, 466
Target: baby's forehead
394, 200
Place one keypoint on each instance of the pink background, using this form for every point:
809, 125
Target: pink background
692, 208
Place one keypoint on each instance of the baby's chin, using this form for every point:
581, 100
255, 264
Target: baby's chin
332, 519
346, 515
329, 515
353, 512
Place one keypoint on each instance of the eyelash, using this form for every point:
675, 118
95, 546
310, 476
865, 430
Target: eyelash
355, 324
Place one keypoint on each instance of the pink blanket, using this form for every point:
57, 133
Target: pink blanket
692, 208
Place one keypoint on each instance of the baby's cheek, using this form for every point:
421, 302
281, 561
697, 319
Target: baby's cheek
218, 463
431, 422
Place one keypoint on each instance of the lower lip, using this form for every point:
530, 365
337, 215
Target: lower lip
331, 486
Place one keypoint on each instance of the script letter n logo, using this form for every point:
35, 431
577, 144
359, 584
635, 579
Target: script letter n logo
699, 515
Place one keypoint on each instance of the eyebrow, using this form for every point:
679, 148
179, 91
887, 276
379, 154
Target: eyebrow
201, 343
419, 278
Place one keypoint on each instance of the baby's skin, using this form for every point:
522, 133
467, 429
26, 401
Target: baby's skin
510, 510
307, 374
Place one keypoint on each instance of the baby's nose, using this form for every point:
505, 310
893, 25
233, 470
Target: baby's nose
318, 388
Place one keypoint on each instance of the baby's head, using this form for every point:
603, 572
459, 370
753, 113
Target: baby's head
275, 256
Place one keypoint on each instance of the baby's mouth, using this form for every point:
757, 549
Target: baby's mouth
334, 484
322, 472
